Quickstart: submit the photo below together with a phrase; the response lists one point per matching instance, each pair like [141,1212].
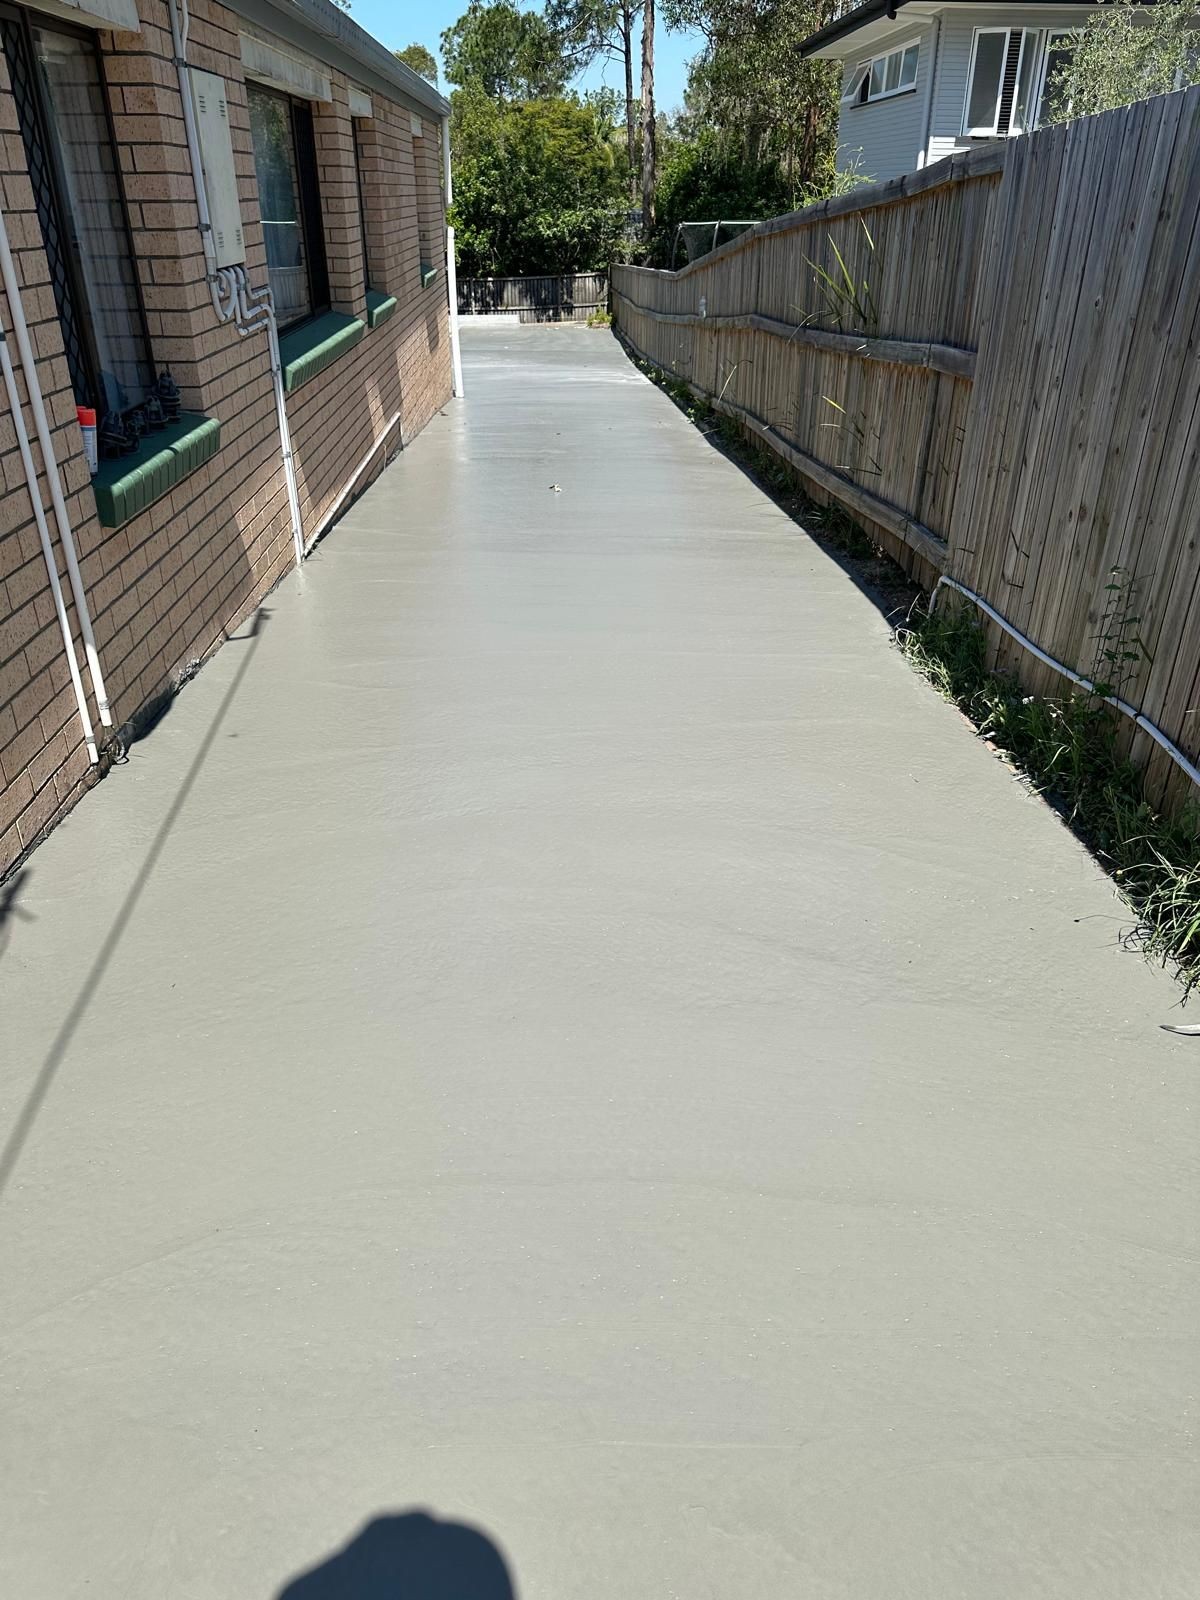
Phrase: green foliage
[420,59]
[705,180]
[537,186]
[708,178]
[1126,52]
[753,90]
[849,305]
[587,30]
[509,54]
[758,134]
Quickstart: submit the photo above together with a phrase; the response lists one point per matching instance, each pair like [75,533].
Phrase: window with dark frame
[62,108]
[362,204]
[285,165]
[427,215]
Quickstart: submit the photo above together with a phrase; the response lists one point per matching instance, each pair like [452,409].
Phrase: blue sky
[399,25]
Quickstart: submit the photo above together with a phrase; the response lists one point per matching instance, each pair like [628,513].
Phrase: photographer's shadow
[409,1556]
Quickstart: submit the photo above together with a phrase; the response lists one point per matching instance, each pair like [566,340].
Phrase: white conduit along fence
[1143,722]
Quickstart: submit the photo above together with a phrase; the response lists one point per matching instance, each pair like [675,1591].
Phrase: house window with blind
[289,200]
[62,109]
[1004,83]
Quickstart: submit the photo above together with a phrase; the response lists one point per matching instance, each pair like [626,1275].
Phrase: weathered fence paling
[569,297]
[993,362]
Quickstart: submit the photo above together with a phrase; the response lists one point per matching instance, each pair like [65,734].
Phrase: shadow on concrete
[28,1114]
[409,1555]
[10,911]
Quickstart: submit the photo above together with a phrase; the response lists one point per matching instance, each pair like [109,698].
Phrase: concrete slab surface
[560,1028]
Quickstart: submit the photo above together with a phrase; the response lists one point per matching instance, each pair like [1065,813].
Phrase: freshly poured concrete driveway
[564,1030]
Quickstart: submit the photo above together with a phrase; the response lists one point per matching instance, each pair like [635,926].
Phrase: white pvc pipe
[1143,722]
[39,516]
[254,320]
[285,432]
[451,267]
[50,461]
[927,118]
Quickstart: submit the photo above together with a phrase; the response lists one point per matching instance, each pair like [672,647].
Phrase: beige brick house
[248,198]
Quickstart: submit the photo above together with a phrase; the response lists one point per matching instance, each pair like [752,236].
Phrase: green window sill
[130,484]
[309,349]
[379,307]
[428,274]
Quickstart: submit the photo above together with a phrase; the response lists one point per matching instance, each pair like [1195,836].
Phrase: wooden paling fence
[571,297]
[1003,383]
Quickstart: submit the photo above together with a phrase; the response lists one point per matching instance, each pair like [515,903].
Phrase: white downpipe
[285,433]
[1143,722]
[50,461]
[451,267]
[253,319]
[233,299]
[351,481]
[935,30]
[39,516]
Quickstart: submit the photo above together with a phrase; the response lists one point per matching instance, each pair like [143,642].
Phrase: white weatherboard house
[924,78]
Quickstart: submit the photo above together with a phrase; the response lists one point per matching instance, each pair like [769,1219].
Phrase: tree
[510,54]
[537,185]
[420,60]
[1124,53]
[705,180]
[601,29]
[649,129]
[755,91]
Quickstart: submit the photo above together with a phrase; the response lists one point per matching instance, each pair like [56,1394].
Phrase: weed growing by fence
[849,306]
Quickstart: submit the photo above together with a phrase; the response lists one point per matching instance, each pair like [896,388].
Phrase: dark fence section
[571,297]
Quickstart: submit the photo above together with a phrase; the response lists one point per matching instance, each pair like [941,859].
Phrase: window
[285,164]
[1010,68]
[63,112]
[1059,49]
[362,203]
[430,214]
[894,73]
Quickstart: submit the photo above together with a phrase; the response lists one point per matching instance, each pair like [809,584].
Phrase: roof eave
[849,23]
[347,47]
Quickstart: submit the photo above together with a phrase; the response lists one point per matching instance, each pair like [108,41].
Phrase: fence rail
[993,363]
[572,297]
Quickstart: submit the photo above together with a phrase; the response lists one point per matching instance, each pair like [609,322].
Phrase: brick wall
[166,587]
